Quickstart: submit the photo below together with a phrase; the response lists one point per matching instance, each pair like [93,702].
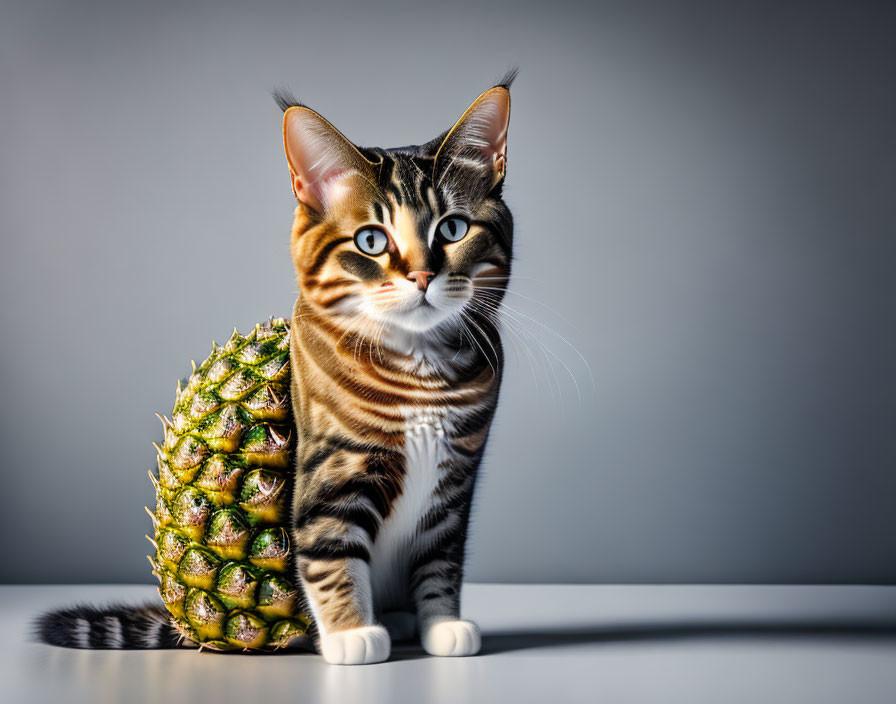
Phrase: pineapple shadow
[507,641]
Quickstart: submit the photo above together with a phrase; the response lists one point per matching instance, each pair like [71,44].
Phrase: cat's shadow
[508,641]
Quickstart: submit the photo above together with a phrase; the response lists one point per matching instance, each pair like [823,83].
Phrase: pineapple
[222,495]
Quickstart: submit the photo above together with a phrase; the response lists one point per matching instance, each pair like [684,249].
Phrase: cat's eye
[453,229]
[371,240]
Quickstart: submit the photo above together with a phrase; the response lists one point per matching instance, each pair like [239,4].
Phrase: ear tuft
[285,98]
[508,78]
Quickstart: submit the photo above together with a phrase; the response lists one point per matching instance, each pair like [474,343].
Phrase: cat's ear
[479,138]
[320,158]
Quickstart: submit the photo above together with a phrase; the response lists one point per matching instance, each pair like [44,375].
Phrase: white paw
[452,638]
[402,625]
[358,646]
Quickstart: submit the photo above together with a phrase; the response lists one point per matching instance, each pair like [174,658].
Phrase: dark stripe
[335,550]
[356,515]
[169,637]
[421,575]
[502,236]
[455,473]
[323,253]
[403,178]
[327,285]
[360,265]
[322,454]
[345,589]
[435,516]
[385,176]
[474,421]
[440,200]
[318,576]
[333,301]
[97,637]
[449,547]
[367,487]
[378,211]
[318,458]
[130,632]
[388,474]
[425,207]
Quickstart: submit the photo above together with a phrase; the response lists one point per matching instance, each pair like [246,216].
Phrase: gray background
[705,208]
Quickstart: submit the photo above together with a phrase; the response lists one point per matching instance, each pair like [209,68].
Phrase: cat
[402,257]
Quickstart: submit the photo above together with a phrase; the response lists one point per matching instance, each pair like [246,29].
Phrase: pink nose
[421,278]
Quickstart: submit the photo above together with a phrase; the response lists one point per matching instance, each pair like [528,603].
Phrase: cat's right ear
[320,158]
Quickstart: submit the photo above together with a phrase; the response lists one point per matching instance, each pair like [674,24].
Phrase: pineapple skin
[223,492]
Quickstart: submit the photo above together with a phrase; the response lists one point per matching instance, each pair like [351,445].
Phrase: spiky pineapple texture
[222,492]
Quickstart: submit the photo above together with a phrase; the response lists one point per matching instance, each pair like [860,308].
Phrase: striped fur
[394,390]
[112,627]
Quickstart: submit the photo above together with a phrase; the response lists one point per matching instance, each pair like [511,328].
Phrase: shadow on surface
[509,641]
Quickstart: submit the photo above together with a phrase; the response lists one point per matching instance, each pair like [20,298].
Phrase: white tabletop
[541,643]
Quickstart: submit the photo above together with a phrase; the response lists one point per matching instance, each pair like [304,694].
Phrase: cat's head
[417,238]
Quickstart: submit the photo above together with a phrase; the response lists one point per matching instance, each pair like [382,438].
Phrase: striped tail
[111,627]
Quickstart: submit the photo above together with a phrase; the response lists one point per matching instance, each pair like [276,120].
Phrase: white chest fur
[424,450]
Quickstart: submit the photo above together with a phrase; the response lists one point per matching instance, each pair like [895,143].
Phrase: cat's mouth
[422,314]
[419,310]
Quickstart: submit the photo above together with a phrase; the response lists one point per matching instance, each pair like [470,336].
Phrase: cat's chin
[444,326]
[421,319]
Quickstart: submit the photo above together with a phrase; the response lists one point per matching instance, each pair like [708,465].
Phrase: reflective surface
[540,643]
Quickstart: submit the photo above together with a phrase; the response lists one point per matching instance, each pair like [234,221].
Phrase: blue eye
[371,240]
[453,229]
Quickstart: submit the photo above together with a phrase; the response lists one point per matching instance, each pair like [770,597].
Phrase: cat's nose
[421,278]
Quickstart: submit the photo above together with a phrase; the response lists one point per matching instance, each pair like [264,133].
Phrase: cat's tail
[110,627]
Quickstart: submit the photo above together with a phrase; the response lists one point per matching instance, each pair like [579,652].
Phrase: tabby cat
[402,257]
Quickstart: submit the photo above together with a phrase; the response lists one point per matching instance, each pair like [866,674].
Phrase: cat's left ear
[479,138]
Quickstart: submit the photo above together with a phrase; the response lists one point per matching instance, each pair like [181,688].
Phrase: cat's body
[402,257]
[398,424]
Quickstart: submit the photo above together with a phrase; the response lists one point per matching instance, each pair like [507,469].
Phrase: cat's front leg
[335,525]
[435,585]
[339,594]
